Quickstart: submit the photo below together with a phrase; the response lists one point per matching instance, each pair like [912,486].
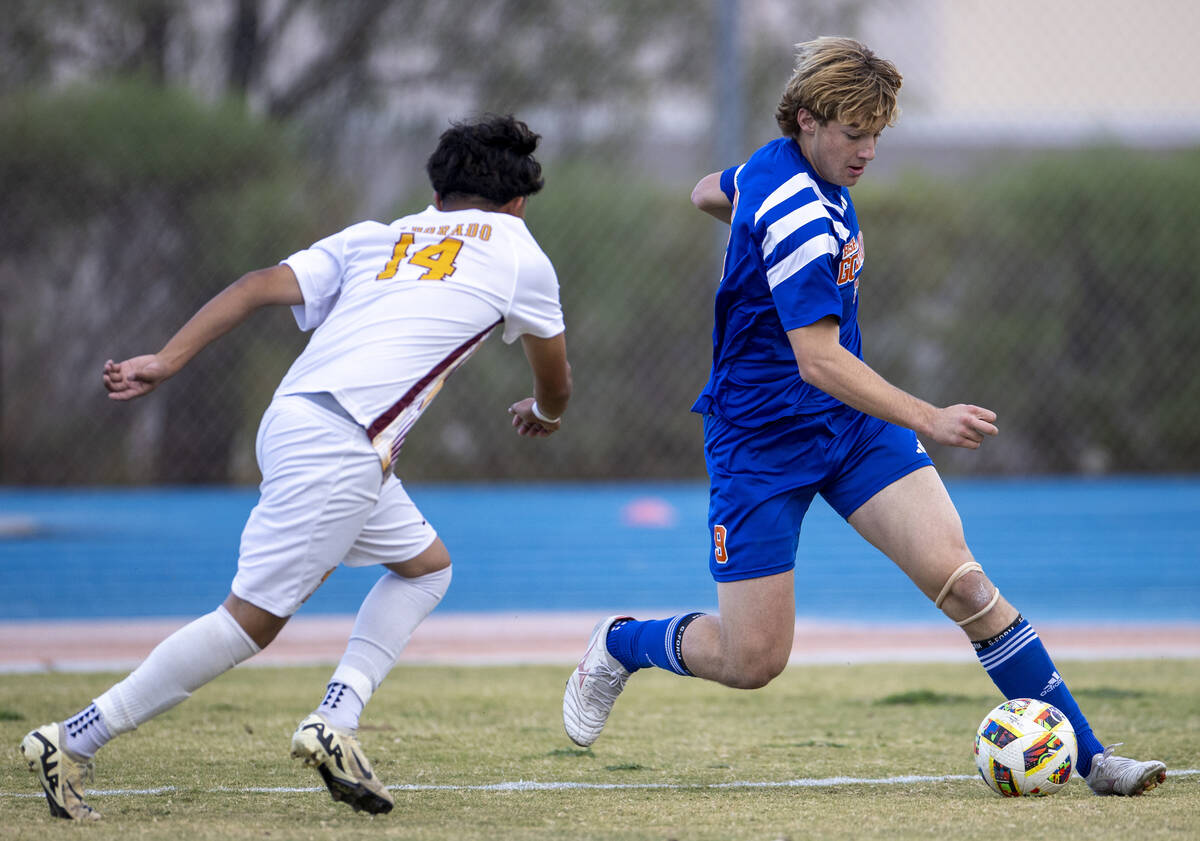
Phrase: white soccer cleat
[1121,776]
[593,687]
[339,759]
[60,773]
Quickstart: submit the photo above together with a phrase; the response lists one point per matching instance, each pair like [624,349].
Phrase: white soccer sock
[86,732]
[180,664]
[389,614]
[342,706]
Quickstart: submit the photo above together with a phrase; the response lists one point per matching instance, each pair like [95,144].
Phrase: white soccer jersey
[399,307]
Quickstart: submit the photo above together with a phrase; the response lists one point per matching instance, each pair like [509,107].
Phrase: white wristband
[537,414]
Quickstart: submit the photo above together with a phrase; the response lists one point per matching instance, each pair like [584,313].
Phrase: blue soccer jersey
[794,256]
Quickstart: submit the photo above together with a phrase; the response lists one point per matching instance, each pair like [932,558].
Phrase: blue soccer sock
[654,642]
[1019,665]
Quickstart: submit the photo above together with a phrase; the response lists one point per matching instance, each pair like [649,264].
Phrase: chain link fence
[1030,222]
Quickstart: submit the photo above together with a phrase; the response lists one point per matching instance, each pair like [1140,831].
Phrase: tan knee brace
[969,566]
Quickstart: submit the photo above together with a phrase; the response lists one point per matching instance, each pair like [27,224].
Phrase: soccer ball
[1025,748]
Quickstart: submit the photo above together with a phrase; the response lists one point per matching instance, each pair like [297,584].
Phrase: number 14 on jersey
[437,259]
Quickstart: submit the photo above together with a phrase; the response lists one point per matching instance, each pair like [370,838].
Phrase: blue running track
[1103,550]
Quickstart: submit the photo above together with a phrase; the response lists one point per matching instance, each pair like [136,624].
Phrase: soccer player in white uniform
[395,309]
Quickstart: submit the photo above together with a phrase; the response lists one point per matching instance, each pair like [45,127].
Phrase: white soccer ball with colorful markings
[1025,748]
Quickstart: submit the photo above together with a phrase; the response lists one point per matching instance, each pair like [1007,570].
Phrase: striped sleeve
[801,241]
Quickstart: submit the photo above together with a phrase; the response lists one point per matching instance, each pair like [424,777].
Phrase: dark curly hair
[491,158]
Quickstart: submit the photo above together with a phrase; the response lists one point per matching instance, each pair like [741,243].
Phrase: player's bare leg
[746,644]
[260,625]
[914,522]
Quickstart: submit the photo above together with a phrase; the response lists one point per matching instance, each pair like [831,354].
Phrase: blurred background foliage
[152,151]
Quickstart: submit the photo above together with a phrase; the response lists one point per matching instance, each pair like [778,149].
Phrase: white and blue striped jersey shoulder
[796,220]
[793,258]
[797,224]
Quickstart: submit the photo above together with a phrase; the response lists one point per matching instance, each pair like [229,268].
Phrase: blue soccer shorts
[762,481]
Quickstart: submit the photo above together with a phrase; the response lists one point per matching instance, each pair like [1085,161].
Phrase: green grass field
[680,759]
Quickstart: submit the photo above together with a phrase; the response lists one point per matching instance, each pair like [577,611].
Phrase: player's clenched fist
[964,426]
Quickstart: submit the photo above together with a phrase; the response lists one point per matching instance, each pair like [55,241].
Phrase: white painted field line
[531,785]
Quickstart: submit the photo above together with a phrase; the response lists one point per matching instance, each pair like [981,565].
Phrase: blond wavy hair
[840,79]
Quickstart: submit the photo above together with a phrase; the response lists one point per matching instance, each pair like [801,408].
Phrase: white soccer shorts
[324,500]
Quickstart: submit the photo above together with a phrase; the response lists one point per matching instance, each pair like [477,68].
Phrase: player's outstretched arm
[824,363]
[708,196]
[140,375]
[541,415]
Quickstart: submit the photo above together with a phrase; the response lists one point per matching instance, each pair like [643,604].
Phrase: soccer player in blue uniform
[792,410]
